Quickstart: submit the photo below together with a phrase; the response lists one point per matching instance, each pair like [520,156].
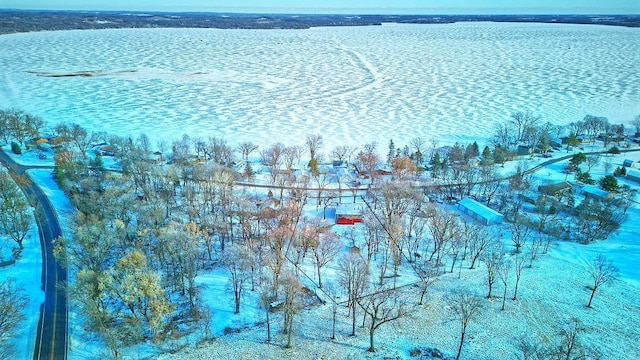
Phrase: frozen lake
[353,84]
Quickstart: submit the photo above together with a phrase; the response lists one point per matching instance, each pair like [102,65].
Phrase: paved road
[51,340]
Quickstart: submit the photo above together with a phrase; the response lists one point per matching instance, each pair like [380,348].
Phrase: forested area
[143,235]
[149,224]
[15,21]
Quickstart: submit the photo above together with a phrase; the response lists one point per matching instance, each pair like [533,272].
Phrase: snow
[550,293]
[29,158]
[26,275]
[353,85]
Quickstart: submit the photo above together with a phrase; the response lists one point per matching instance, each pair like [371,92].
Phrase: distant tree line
[15,21]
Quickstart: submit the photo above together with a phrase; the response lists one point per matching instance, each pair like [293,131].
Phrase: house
[628,163]
[633,174]
[556,189]
[349,214]
[525,150]
[529,196]
[383,172]
[595,192]
[479,212]
[157,157]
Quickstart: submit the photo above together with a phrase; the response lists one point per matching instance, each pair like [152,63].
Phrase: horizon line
[364,11]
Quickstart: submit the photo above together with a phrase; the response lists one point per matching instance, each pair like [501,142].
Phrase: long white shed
[480,212]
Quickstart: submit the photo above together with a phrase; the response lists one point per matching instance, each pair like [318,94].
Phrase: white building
[480,212]
[633,174]
[595,192]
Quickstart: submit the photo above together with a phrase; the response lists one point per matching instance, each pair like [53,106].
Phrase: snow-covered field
[355,84]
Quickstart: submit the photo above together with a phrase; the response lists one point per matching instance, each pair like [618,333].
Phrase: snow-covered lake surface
[357,84]
[352,85]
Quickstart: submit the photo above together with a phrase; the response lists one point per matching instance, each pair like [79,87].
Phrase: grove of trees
[144,234]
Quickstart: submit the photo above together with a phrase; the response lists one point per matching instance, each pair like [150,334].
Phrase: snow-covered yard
[551,293]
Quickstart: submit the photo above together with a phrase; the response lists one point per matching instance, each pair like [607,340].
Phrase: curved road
[51,340]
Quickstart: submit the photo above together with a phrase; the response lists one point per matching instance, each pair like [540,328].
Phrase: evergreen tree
[609,183]
[499,155]
[418,157]
[472,151]
[390,154]
[486,155]
[573,140]
[437,164]
[584,177]
[248,170]
[457,154]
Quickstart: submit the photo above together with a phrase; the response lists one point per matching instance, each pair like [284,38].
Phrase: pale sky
[344,6]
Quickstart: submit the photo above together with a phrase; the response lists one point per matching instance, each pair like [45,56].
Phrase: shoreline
[25,21]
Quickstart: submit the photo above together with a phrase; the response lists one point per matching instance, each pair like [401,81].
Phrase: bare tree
[419,147]
[597,219]
[340,152]
[291,154]
[489,186]
[504,137]
[503,273]
[327,248]
[354,276]
[246,148]
[279,241]
[15,212]
[369,160]
[332,292]
[591,161]
[177,249]
[13,301]
[636,124]
[272,158]
[569,343]
[601,271]
[265,303]
[292,303]
[314,143]
[238,261]
[530,349]
[520,232]
[403,168]
[595,124]
[77,135]
[383,306]
[524,123]
[457,244]
[479,241]
[20,125]
[464,307]
[519,263]
[5,131]
[443,226]
[492,262]
[428,276]
[221,152]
